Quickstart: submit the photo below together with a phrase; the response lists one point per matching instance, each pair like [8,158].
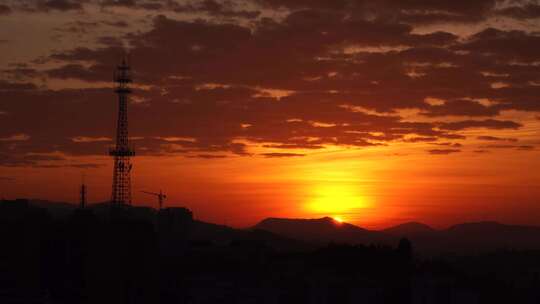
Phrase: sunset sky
[376,112]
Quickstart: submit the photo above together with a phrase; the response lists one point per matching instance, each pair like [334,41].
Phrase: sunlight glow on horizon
[338,219]
[336,198]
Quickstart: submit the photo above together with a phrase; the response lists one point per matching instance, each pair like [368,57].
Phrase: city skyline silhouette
[371,112]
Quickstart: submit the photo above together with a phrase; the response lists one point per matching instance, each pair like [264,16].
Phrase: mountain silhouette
[410,229]
[466,238]
[470,238]
[299,234]
[322,230]
[489,236]
[208,234]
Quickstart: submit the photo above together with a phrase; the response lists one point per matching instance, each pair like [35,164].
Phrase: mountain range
[298,234]
[469,238]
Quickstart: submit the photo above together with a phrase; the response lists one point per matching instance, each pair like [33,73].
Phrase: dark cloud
[135,4]
[460,108]
[62,5]
[448,144]
[128,3]
[86,165]
[443,151]
[516,147]
[16,160]
[304,4]
[5,10]
[487,124]
[493,138]
[421,139]
[497,44]
[208,156]
[277,154]
[300,145]
[414,12]
[528,11]
[417,12]
[78,71]
[116,23]
[328,73]
[525,147]
[43,161]
[214,8]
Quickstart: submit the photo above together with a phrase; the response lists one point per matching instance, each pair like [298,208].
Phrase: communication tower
[122,152]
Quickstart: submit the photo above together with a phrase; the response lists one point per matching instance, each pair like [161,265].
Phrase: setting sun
[338,219]
[336,198]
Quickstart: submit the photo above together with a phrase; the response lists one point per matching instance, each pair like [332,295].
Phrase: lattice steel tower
[121,187]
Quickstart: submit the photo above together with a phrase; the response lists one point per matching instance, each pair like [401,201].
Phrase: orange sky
[374,113]
[370,187]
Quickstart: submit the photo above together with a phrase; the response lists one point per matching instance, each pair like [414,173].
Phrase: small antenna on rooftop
[83,191]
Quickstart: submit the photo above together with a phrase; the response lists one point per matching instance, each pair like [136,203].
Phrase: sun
[336,199]
[338,219]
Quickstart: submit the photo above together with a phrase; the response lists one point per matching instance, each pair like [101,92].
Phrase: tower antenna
[122,152]
[83,191]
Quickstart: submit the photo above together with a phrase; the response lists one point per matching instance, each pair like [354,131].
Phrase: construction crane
[161,197]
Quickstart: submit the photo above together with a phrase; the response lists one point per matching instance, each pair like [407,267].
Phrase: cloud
[417,12]
[45,6]
[516,147]
[208,156]
[323,73]
[460,108]
[443,151]
[281,155]
[33,160]
[86,165]
[493,138]
[5,10]
[527,11]
[16,137]
[503,45]
[16,86]
[486,124]
[135,4]
[300,145]
[448,144]
[214,8]
[421,139]
[43,161]
[85,139]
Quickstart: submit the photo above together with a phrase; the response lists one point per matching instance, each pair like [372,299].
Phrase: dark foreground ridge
[122,254]
[468,238]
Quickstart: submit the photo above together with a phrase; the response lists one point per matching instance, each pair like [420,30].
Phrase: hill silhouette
[122,254]
[200,232]
[299,234]
[467,238]
[485,236]
[410,229]
[322,230]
